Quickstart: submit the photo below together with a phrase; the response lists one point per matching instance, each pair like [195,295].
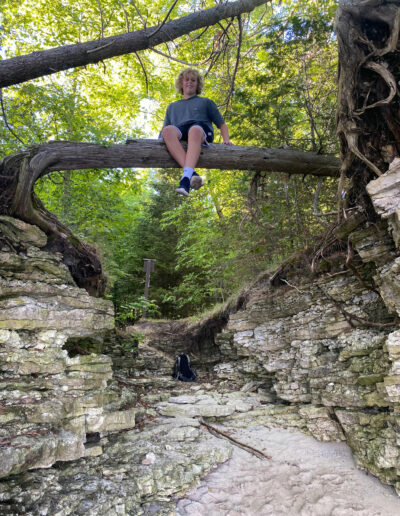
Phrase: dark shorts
[184,130]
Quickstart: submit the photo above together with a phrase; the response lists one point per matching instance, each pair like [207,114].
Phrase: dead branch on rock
[293,286]
[246,447]
[349,317]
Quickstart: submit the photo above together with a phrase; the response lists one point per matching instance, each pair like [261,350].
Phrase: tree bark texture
[20,171]
[368,116]
[46,62]
[64,155]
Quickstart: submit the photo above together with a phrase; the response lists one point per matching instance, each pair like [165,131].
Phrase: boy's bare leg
[171,139]
[186,159]
[195,139]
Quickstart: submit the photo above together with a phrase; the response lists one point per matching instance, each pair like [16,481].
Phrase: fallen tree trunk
[153,154]
[20,171]
[37,64]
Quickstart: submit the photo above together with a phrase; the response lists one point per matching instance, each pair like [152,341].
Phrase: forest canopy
[273,74]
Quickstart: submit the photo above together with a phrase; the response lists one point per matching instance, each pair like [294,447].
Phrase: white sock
[187,172]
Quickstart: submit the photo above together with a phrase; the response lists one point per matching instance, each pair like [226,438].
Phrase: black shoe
[184,187]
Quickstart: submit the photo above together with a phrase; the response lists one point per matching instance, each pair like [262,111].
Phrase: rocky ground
[201,448]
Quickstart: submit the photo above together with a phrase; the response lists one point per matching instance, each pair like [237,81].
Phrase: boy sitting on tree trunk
[190,119]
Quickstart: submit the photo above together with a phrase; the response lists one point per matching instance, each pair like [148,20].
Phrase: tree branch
[153,154]
[144,72]
[125,15]
[46,62]
[232,85]
[181,60]
[138,13]
[101,18]
[20,171]
[165,19]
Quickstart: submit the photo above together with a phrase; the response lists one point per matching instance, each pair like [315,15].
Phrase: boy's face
[189,85]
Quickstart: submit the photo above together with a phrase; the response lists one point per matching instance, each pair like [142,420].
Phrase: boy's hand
[227,142]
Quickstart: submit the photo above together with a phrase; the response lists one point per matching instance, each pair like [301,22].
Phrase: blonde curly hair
[189,71]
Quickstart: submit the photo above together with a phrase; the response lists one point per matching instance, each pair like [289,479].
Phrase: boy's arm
[218,120]
[225,134]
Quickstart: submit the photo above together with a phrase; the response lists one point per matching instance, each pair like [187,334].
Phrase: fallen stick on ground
[245,447]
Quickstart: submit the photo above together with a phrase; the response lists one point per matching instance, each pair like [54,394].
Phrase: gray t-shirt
[193,109]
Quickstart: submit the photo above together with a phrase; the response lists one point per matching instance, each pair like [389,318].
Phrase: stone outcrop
[329,345]
[78,433]
[138,473]
[51,396]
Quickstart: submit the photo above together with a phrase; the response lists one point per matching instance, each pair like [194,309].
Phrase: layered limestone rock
[51,398]
[384,195]
[327,346]
[138,473]
[146,470]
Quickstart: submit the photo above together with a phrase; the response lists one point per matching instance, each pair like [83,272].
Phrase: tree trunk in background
[368,99]
[47,62]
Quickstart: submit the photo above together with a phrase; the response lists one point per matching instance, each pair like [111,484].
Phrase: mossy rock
[370,379]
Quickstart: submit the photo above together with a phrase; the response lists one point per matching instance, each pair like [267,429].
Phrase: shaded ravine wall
[330,344]
[52,401]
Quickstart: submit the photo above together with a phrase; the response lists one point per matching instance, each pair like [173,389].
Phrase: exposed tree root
[369,103]
[18,173]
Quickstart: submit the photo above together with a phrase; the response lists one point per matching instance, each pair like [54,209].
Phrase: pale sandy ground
[305,477]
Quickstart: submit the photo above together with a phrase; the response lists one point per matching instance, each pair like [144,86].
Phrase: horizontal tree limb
[154,154]
[20,171]
[38,64]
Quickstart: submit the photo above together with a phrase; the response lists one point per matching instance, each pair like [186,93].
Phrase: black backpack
[182,369]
